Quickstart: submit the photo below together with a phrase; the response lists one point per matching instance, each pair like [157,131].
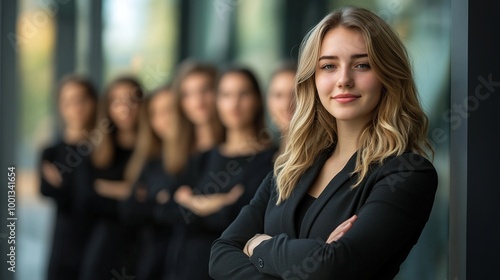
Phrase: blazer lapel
[290,205]
[338,181]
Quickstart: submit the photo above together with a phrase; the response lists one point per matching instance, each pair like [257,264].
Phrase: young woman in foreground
[352,192]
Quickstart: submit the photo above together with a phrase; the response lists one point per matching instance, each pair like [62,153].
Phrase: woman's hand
[51,174]
[341,229]
[254,242]
[205,205]
[162,197]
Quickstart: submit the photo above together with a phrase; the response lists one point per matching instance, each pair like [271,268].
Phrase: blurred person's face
[198,98]
[280,99]
[124,106]
[161,114]
[237,102]
[347,85]
[76,106]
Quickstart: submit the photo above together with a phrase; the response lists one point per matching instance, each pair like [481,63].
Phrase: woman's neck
[205,138]
[73,135]
[126,138]
[347,137]
[240,141]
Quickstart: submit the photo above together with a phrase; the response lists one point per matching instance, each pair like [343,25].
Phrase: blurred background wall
[103,38]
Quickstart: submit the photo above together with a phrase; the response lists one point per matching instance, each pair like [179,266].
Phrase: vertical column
[8,126]
[95,48]
[475,149]
[483,146]
[185,27]
[299,18]
[65,51]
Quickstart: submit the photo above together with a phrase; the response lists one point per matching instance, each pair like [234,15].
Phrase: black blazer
[393,204]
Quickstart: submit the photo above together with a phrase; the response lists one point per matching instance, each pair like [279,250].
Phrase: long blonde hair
[399,123]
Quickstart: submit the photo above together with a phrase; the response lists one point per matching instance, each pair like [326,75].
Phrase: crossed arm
[384,231]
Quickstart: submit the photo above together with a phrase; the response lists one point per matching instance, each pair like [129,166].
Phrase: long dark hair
[259,121]
[103,152]
[89,90]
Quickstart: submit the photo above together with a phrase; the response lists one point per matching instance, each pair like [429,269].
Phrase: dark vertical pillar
[299,18]
[95,50]
[185,12]
[475,149]
[65,51]
[8,123]
[483,149]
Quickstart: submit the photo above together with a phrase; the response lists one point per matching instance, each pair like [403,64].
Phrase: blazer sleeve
[227,260]
[89,201]
[171,212]
[388,225]
[136,212]
[60,194]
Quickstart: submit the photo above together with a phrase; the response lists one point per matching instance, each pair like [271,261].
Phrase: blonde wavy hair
[399,123]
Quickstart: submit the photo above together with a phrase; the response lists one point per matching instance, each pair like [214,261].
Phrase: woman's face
[124,106]
[347,86]
[237,102]
[76,106]
[198,98]
[280,99]
[161,114]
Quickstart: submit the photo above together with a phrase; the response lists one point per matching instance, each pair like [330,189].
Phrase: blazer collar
[288,220]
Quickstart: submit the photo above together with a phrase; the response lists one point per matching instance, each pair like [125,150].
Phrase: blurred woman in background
[197,129]
[280,98]
[222,180]
[149,169]
[112,245]
[77,102]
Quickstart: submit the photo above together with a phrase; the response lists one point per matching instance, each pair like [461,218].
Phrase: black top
[72,226]
[302,208]
[393,204]
[152,179]
[59,155]
[112,244]
[98,205]
[208,173]
[138,210]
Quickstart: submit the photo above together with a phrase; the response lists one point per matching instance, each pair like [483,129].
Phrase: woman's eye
[363,66]
[327,67]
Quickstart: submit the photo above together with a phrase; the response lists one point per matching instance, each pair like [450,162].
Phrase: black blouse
[112,243]
[208,173]
[72,226]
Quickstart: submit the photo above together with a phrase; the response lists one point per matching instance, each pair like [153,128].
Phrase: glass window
[36,34]
[140,37]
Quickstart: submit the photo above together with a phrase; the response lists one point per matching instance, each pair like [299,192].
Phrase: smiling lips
[345,98]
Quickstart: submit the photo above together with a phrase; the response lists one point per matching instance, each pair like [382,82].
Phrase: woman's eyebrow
[334,57]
